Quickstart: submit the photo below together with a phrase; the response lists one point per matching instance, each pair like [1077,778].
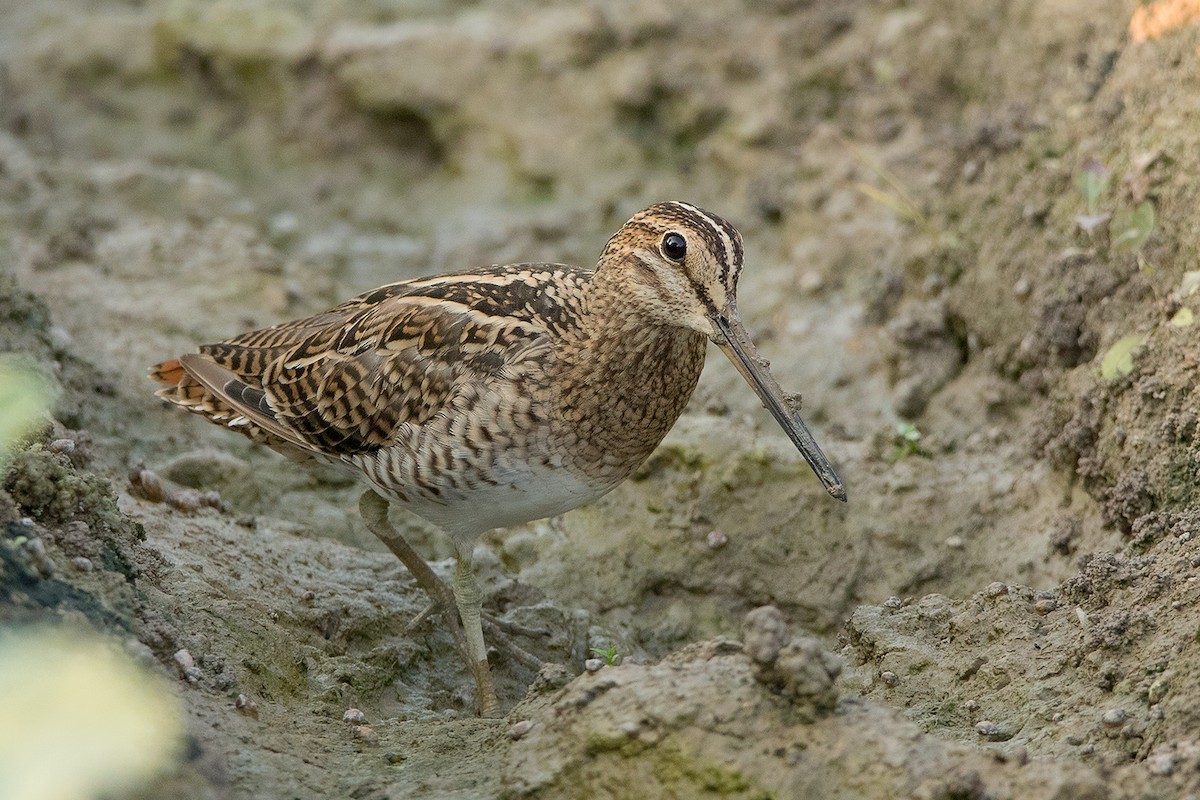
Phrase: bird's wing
[345,381]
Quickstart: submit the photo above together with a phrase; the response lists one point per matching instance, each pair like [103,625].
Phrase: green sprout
[1131,227]
[1092,182]
[908,442]
[610,655]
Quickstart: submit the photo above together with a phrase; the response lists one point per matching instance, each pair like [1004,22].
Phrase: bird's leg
[470,599]
[374,510]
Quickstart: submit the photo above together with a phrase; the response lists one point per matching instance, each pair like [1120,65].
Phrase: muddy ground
[923,186]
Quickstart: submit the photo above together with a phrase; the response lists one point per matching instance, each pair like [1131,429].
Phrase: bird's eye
[674,246]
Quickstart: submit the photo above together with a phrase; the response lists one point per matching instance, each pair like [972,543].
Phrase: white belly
[513,495]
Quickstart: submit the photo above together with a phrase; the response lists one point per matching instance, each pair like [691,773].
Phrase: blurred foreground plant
[24,398]
[79,718]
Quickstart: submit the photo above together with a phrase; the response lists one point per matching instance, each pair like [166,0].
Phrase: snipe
[499,396]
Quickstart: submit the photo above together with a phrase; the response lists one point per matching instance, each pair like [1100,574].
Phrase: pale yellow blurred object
[25,396]
[78,718]
[1152,21]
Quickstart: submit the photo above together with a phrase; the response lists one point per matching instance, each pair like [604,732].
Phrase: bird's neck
[624,379]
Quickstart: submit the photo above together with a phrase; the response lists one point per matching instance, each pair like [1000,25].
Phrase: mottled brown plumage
[500,396]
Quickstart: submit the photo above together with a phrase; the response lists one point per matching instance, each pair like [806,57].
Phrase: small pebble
[1157,691]
[62,446]
[25,522]
[811,282]
[60,339]
[893,602]
[1022,287]
[1114,717]
[716,540]
[630,728]
[186,666]
[365,734]
[1045,605]
[996,589]
[1156,711]
[764,633]
[593,664]
[986,727]
[889,678]
[185,500]
[519,729]
[246,706]
[354,716]
[1082,616]
[1058,716]
[972,705]
[284,225]
[393,758]
[82,564]
[955,542]
[35,548]
[150,486]
[308,597]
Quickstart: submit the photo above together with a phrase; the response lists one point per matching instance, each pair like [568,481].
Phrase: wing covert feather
[346,381]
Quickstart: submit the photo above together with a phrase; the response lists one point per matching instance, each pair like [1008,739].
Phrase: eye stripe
[726,235]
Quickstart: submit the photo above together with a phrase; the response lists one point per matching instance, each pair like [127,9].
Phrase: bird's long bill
[736,344]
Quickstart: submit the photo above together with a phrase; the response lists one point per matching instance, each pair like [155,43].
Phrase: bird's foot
[514,628]
[500,633]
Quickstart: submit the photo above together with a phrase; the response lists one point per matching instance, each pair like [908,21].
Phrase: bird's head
[679,265]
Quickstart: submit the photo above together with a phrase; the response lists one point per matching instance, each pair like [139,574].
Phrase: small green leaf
[1131,227]
[1092,181]
[1118,360]
[1183,318]
[908,442]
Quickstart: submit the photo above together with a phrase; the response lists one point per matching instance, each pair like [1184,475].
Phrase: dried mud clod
[147,484]
[799,668]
